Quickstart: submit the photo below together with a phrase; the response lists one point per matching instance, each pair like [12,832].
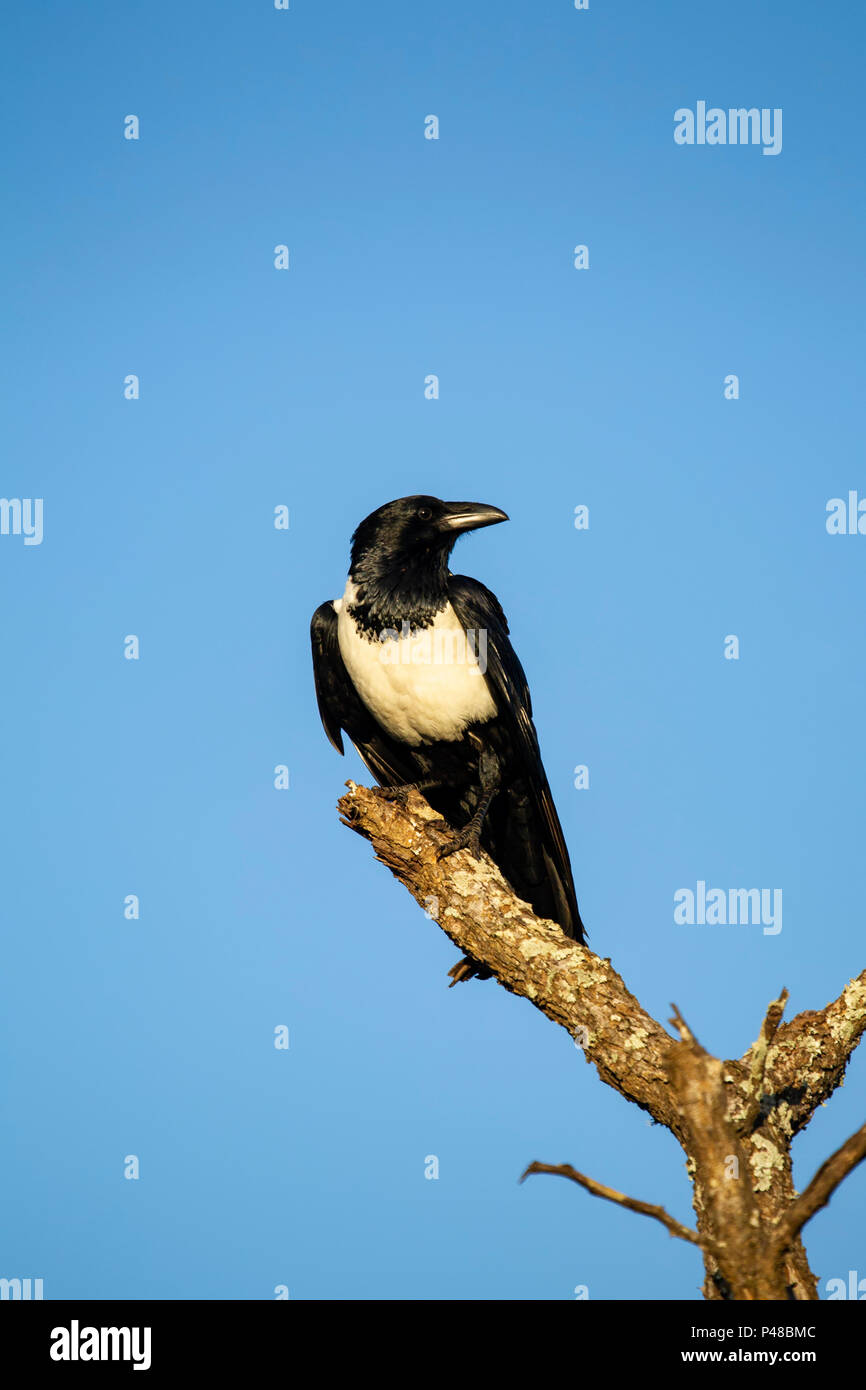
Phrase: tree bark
[735,1118]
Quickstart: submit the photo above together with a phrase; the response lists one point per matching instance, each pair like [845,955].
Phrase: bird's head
[402,549]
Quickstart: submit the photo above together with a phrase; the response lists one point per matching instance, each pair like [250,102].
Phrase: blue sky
[558,387]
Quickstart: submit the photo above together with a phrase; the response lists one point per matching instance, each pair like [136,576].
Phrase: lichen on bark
[735,1118]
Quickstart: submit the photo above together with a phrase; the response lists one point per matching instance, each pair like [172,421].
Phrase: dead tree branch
[758,1064]
[598,1189]
[735,1119]
[828,1177]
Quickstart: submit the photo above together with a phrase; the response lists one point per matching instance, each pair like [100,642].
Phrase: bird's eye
[424,513]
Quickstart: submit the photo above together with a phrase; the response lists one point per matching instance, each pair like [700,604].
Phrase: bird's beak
[469,516]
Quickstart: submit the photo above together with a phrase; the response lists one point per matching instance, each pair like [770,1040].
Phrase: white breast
[420,686]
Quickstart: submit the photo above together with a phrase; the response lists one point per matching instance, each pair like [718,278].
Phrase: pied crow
[415,664]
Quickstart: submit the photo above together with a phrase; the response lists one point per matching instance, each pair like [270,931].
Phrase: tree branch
[734,1119]
[598,1189]
[757,1067]
[808,1057]
[477,909]
[821,1188]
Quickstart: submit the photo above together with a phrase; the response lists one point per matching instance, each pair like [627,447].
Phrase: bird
[416,666]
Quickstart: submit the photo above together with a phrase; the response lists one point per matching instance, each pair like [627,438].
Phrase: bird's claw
[400,793]
[468,969]
[464,840]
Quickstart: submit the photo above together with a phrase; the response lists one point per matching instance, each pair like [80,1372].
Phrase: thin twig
[678,1022]
[598,1189]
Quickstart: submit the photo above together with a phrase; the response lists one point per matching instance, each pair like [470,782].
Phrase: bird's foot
[468,969]
[467,838]
[470,836]
[401,792]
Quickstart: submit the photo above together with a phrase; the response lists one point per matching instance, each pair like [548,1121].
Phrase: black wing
[527,839]
[340,707]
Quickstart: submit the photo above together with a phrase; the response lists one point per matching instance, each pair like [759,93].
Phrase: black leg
[470,836]
[400,793]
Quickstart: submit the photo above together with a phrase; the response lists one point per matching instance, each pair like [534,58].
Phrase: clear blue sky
[305,387]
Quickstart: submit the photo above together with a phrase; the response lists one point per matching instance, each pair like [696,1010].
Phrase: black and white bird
[415,664]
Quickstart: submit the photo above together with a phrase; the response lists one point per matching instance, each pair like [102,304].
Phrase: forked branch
[734,1119]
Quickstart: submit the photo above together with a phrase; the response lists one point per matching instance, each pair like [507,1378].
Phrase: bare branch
[821,1188]
[598,1189]
[678,1022]
[807,1058]
[748,1214]
[758,1051]
[477,909]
